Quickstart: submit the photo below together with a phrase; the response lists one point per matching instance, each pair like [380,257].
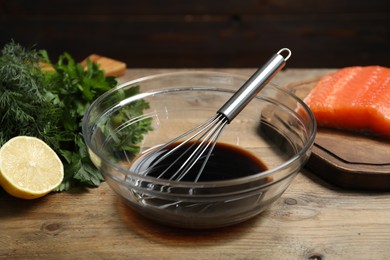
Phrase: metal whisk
[203,138]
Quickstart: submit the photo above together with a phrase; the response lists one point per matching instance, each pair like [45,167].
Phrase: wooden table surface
[312,220]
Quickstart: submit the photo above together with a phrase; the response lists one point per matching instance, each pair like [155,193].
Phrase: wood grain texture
[312,220]
[155,34]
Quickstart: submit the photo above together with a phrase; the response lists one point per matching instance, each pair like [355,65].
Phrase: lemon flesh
[29,168]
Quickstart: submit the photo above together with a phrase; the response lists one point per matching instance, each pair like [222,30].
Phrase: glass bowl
[276,127]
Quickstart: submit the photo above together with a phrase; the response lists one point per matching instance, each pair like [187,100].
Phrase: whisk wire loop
[199,133]
[214,141]
[209,138]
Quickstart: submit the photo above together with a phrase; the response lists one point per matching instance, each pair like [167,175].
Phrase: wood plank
[209,41]
[204,33]
[312,220]
[174,7]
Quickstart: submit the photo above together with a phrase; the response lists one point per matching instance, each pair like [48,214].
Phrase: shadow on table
[180,236]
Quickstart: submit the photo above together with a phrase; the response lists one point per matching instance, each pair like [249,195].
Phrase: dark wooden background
[204,33]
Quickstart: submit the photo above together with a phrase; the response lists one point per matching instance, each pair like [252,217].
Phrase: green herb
[73,88]
[50,105]
[128,138]
[24,106]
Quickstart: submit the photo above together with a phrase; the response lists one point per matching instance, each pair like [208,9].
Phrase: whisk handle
[254,84]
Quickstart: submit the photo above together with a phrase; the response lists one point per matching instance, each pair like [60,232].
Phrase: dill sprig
[24,107]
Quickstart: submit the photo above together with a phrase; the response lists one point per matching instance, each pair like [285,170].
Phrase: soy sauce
[226,162]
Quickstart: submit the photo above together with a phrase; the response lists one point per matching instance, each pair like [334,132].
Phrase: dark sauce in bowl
[226,162]
[201,206]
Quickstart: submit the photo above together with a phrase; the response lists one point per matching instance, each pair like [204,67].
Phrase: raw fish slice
[380,107]
[353,98]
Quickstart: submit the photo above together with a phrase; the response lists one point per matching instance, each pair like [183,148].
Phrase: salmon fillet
[353,98]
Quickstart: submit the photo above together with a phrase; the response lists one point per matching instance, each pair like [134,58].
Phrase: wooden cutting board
[346,159]
[111,67]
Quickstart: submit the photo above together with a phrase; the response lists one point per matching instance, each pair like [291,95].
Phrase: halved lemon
[29,168]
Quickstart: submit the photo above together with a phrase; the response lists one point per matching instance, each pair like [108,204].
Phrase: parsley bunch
[50,105]
[72,88]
